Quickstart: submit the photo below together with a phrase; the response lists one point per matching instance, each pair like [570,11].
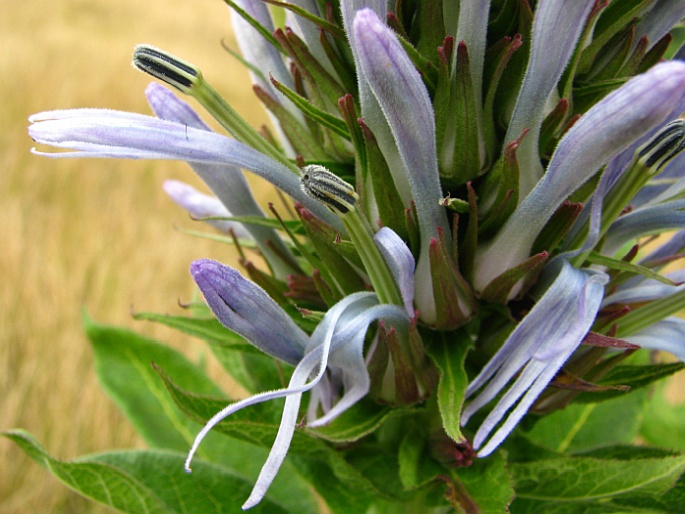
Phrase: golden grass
[93,234]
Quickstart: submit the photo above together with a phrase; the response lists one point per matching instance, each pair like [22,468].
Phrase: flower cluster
[484,174]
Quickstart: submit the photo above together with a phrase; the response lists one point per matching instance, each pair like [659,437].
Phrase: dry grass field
[87,234]
[98,235]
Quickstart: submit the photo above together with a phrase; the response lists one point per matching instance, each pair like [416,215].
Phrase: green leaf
[487,483]
[149,482]
[341,485]
[252,369]
[449,357]
[415,467]
[207,329]
[587,480]
[583,426]
[664,423]
[122,363]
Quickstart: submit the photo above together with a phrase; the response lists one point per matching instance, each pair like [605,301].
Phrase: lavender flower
[469,207]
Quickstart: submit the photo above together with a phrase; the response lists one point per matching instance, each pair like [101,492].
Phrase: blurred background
[93,235]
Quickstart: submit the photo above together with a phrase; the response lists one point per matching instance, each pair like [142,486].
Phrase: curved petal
[667,335]
[401,262]
[646,220]
[200,205]
[536,349]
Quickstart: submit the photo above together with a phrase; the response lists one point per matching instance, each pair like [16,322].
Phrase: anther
[165,67]
[322,185]
[664,146]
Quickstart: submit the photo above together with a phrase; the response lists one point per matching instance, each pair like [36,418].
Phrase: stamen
[165,67]
[664,146]
[322,185]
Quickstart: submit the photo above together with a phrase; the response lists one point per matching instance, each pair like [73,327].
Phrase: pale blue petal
[646,290]
[227,182]
[200,205]
[557,27]
[608,128]
[104,133]
[245,308]
[401,263]
[372,113]
[667,335]
[536,349]
[659,20]
[652,219]
[347,355]
[401,94]
[314,362]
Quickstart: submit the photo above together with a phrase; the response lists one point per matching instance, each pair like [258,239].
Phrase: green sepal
[557,227]
[506,173]
[323,24]
[406,390]
[455,302]
[503,21]
[207,329]
[514,68]
[387,198]
[427,28]
[655,54]
[610,66]
[613,19]
[496,60]
[302,141]
[340,57]
[255,25]
[551,129]
[449,356]
[632,64]
[428,72]
[335,268]
[319,116]
[466,163]
[498,290]
[469,246]
[323,87]
[362,177]
[444,112]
